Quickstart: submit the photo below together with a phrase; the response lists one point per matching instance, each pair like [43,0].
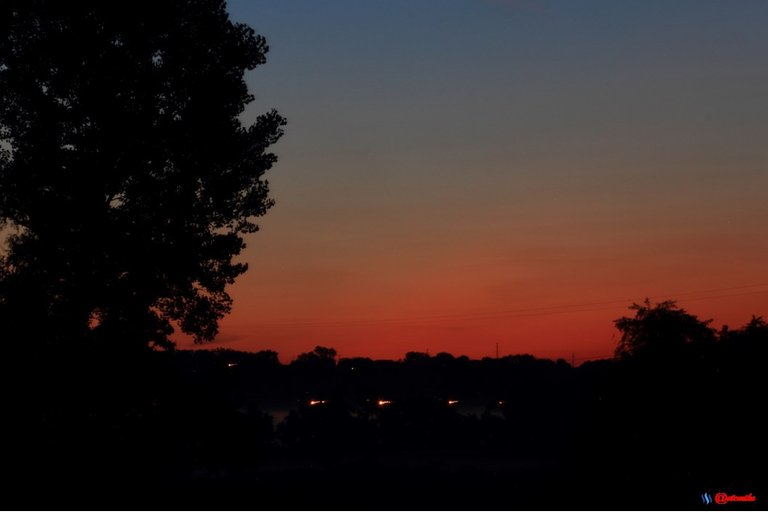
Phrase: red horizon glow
[579,331]
[436,188]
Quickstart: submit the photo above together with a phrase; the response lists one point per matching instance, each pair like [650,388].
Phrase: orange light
[315,402]
[451,402]
[384,402]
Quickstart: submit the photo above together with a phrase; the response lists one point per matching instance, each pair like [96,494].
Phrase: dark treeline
[677,412]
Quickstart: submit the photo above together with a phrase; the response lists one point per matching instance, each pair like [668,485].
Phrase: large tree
[127,180]
[660,330]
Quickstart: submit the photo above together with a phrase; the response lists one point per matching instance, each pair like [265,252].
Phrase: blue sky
[460,157]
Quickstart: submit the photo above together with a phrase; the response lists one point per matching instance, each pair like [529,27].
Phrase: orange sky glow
[508,175]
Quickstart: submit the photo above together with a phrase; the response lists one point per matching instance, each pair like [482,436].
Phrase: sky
[458,174]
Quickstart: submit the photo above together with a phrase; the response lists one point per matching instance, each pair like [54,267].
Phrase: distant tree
[756,328]
[356,363]
[126,176]
[751,339]
[267,358]
[325,353]
[415,357]
[321,355]
[315,369]
[660,329]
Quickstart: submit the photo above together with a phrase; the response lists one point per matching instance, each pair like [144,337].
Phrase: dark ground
[189,431]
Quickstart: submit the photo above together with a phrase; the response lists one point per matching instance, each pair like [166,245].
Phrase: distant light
[315,402]
[451,402]
[383,402]
[501,403]
[230,365]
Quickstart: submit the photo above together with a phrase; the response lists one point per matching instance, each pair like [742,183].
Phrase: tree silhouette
[126,177]
[319,358]
[319,354]
[661,329]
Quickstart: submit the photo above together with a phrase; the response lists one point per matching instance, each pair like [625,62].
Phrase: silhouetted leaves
[125,171]
[660,331]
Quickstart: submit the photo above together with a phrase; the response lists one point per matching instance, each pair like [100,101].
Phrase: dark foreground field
[193,430]
[423,480]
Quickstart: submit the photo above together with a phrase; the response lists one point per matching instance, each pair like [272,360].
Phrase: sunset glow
[467,173]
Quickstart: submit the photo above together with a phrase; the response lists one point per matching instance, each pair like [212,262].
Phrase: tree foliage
[126,177]
[660,329]
[320,355]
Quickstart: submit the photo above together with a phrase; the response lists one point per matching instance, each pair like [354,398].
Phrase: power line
[526,312]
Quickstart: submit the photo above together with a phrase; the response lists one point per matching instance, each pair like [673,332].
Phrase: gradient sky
[461,173]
